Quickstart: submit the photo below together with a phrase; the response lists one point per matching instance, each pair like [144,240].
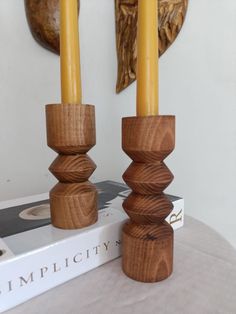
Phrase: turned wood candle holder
[71,133]
[147,239]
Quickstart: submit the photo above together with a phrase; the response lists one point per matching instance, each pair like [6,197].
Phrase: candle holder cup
[147,239]
[71,133]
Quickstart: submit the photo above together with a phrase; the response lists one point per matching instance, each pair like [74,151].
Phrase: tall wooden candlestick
[147,139]
[71,133]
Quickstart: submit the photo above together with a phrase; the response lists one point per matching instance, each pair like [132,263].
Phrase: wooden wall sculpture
[171,17]
[44,23]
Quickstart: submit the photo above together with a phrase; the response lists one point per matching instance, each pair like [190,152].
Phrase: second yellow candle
[147,63]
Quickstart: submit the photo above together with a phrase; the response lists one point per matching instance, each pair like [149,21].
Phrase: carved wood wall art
[43,19]
[171,17]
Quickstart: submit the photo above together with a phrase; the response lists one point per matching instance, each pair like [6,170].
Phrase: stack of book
[35,256]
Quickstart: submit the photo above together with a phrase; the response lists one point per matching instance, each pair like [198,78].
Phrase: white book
[35,256]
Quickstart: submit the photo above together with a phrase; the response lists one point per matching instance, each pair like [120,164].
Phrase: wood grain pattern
[147,239]
[71,133]
[72,168]
[171,18]
[147,251]
[44,22]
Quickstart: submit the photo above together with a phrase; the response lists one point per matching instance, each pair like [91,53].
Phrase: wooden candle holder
[147,239]
[71,133]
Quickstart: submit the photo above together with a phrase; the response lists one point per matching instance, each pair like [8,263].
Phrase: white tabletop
[203,282]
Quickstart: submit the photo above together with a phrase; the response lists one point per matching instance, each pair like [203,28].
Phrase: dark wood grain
[147,251]
[147,239]
[43,18]
[147,209]
[71,133]
[171,18]
[72,168]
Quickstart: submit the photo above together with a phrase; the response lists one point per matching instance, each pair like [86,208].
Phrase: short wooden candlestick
[147,239]
[71,133]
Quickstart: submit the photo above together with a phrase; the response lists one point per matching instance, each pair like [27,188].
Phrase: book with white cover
[35,256]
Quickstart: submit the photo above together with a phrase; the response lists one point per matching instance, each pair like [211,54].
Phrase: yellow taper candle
[71,92]
[147,62]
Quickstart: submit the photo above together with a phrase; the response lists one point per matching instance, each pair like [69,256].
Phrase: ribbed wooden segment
[147,209]
[148,178]
[71,133]
[147,238]
[72,168]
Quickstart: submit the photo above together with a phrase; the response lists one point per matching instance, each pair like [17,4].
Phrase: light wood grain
[71,133]
[73,205]
[147,239]
[70,128]
[171,18]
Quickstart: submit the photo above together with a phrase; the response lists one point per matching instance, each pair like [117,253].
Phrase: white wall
[197,84]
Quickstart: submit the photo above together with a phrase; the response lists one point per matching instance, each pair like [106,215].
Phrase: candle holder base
[147,239]
[147,251]
[71,133]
